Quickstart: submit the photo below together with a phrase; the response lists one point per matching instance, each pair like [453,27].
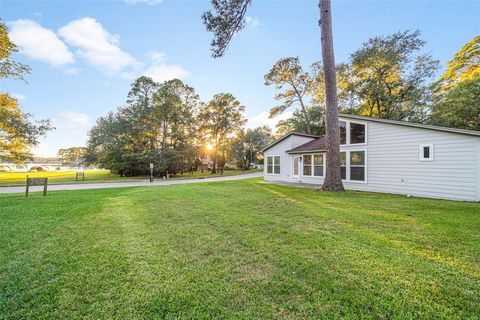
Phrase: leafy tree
[18,134]
[288,75]
[229,18]
[296,122]
[158,125]
[221,119]
[247,145]
[459,107]
[8,67]
[387,80]
[465,65]
[456,94]
[74,156]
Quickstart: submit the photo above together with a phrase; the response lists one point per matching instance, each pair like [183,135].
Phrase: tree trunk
[304,110]
[333,180]
[307,118]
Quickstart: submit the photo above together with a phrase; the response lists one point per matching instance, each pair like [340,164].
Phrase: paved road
[106,185]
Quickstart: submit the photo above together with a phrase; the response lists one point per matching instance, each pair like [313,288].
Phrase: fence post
[27,184]
[45,187]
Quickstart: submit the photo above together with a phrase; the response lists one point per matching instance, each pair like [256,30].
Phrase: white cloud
[40,43]
[262,119]
[18,96]
[160,71]
[149,2]
[72,120]
[97,46]
[251,22]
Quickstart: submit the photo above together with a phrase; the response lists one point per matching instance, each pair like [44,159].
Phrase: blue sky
[85,54]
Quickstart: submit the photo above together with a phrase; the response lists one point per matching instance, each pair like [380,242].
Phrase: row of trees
[166,124]
[385,78]
[18,133]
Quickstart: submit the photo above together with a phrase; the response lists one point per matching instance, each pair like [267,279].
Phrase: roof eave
[288,135]
[306,151]
[412,124]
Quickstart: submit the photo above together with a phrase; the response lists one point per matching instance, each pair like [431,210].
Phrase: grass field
[237,249]
[60,177]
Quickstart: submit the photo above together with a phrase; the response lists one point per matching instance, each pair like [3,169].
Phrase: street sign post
[151,172]
[36,182]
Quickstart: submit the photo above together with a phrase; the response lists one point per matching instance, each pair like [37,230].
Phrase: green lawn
[62,177]
[237,249]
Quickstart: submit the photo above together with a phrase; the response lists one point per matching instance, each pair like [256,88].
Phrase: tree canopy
[456,94]
[165,124]
[8,67]
[465,65]
[386,79]
[221,119]
[245,147]
[18,133]
[227,18]
[295,85]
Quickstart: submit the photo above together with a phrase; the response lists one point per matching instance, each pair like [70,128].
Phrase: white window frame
[347,132]
[312,165]
[273,165]
[420,152]
[347,155]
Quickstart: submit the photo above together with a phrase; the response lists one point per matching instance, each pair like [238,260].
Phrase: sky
[85,54]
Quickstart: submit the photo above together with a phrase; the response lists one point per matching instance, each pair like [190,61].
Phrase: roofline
[307,151]
[412,124]
[288,135]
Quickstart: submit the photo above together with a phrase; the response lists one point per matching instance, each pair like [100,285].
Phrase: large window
[343,165]
[352,133]
[353,165]
[343,132]
[313,164]
[318,165]
[357,133]
[273,164]
[307,165]
[357,165]
[276,164]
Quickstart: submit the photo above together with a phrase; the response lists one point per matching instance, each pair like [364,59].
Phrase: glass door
[296,167]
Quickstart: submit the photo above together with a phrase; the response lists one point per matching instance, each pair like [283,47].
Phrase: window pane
[277,169]
[343,158]
[357,158]
[357,133]
[269,160]
[318,159]
[307,159]
[343,173]
[343,132]
[318,171]
[357,173]
[307,170]
[277,160]
[269,169]
[426,152]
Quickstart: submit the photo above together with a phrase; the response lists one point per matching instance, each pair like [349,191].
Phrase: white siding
[393,164]
[280,150]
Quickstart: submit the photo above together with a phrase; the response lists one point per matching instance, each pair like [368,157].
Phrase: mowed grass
[237,249]
[62,177]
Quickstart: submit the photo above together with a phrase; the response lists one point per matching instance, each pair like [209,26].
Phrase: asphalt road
[125,184]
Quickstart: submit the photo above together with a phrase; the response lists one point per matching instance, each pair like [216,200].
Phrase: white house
[385,156]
